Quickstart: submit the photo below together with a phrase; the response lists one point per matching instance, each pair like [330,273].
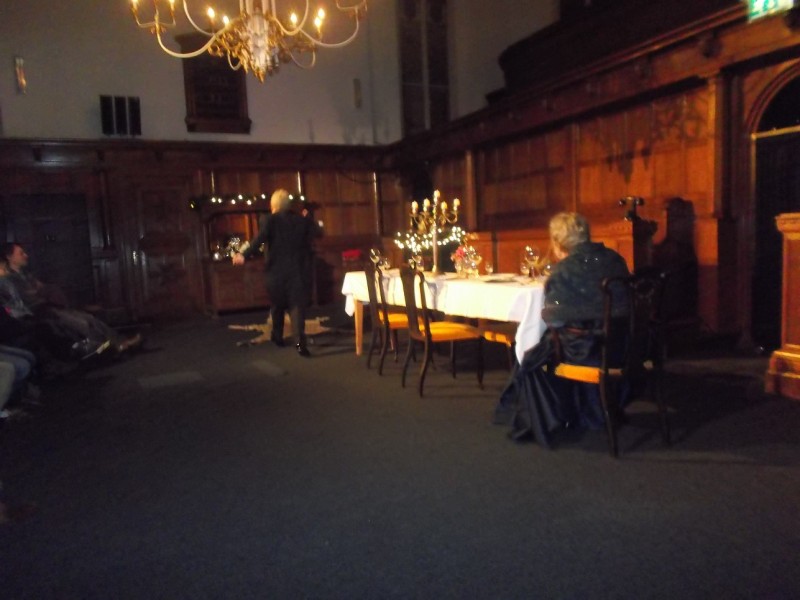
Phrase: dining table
[497,297]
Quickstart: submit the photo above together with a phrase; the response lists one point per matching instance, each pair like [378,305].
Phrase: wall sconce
[19,72]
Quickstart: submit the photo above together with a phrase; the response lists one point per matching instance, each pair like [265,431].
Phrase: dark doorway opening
[54,230]
[777,192]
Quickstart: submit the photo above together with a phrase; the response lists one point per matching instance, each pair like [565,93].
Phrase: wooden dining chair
[423,329]
[632,350]
[499,332]
[385,322]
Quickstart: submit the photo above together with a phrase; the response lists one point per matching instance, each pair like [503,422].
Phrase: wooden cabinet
[230,287]
[783,376]
[235,288]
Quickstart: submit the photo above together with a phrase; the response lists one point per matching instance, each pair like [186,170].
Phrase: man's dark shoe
[278,340]
[303,351]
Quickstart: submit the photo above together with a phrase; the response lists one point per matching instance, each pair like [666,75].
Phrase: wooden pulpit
[783,375]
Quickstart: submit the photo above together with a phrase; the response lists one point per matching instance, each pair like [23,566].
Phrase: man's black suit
[288,239]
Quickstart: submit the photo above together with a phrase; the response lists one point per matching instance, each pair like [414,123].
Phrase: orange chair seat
[446,331]
[396,320]
[501,333]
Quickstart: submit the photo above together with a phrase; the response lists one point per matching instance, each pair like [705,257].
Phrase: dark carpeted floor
[199,469]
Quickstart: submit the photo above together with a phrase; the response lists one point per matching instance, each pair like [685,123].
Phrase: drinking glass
[489,267]
[531,257]
[524,269]
[375,256]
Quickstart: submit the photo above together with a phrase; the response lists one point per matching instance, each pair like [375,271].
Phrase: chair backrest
[379,311]
[633,341]
[414,287]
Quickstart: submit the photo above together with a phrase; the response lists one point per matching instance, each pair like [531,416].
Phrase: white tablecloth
[484,298]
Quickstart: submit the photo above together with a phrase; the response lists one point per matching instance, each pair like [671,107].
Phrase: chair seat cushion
[501,337]
[397,321]
[583,373]
[446,331]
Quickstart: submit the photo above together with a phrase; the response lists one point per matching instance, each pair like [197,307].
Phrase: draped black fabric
[536,403]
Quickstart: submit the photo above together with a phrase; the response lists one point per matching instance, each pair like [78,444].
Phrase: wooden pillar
[783,375]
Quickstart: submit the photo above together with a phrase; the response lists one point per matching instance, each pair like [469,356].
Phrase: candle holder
[433,216]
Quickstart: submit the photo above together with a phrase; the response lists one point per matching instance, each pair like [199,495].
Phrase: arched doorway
[777,191]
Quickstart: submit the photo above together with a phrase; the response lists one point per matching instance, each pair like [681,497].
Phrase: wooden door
[163,244]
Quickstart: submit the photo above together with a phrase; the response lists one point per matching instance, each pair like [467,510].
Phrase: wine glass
[419,261]
[524,269]
[375,256]
[489,267]
[385,263]
[531,256]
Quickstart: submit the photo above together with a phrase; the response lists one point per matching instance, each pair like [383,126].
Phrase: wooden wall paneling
[393,204]
[320,187]
[356,195]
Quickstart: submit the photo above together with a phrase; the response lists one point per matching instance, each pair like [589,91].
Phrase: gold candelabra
[433,216]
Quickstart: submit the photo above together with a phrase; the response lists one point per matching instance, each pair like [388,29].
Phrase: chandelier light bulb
[293,19]
[211,14]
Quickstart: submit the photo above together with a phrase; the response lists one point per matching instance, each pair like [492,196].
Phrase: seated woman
[535,402]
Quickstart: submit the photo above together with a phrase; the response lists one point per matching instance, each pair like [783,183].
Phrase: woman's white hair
[568,229]
[279,201]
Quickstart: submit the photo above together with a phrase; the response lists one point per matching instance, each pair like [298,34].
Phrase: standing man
[288,237]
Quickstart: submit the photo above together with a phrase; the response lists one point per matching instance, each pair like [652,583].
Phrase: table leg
[358,321]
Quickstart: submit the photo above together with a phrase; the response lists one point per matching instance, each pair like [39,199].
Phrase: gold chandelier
[256,40]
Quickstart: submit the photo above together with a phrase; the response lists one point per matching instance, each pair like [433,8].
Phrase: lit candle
[456,204]
[426,205]
[444,206]
[436,195]
[414,207]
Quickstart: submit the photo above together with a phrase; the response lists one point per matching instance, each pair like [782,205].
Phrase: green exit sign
[762,8]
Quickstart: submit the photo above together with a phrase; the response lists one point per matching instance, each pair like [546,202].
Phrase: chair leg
[375,333]
[426,360]
[453,359]
[609,417]
[480,363]
[384,348]
[396,344]
[409,354]
[657,393]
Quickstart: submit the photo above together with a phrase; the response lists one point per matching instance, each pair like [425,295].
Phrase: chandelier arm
[321,44]
[189,17]
[301,65]
[354,8]
[238,64]
[174,54]
[156,23]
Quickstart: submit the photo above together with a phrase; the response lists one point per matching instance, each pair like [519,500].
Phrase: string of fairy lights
[418,242]
[236,200]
